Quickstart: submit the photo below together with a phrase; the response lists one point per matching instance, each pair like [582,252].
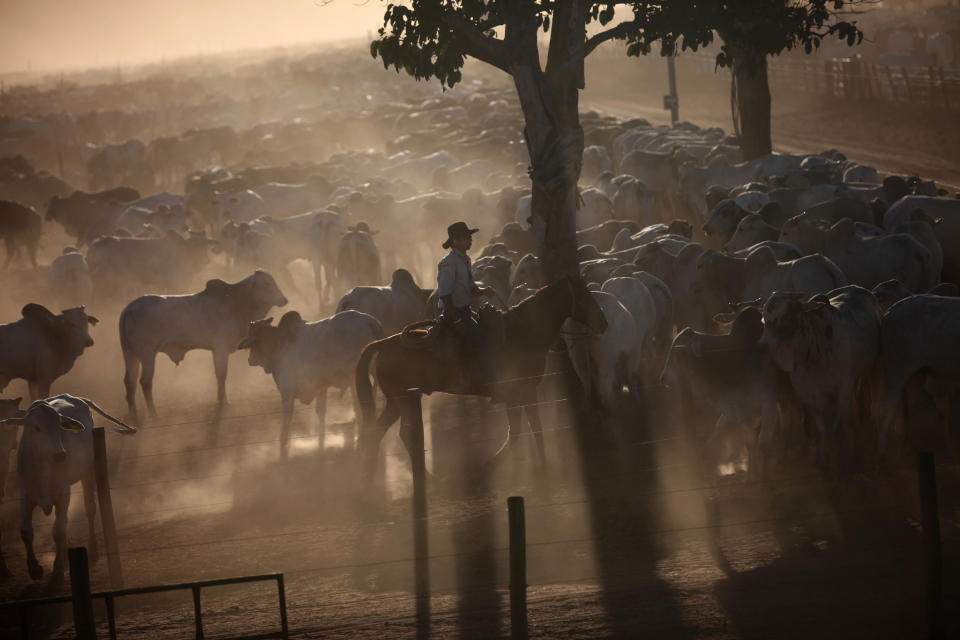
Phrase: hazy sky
[49,34]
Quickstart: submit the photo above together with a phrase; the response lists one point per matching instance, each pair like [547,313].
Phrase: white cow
[305,358]
[214,319]
[394,306]
[611,360]
[69,279]
[55,452]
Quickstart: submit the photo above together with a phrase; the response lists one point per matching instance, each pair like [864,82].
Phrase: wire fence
[306,537]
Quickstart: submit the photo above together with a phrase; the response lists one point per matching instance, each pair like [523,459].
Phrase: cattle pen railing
[109,598]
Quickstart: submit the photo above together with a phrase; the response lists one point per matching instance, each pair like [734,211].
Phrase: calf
[305,358]
[214,319]
[55,452]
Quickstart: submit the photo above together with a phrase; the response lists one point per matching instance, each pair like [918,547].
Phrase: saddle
[449,347]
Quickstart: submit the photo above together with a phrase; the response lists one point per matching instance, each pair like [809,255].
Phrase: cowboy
[456,287]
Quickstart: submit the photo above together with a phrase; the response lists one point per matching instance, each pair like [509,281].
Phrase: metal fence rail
[109,597]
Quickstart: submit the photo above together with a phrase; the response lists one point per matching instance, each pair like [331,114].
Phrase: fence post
[83,621]
[932,553]
[282,596]
[197,612]
[412,416]
[518,569]
[106,507]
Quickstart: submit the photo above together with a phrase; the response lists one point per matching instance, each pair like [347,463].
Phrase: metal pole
[932,552]
[83,621]
[518,569]
[671,101]
[197,612]
[413,416]
[282,593]
[106,507]
[112,616]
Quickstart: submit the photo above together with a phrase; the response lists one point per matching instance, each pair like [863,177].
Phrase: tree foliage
[433,38]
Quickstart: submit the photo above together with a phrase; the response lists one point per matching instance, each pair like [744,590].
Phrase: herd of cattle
[797,297]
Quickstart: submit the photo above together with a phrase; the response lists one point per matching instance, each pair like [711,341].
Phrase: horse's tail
[362,385]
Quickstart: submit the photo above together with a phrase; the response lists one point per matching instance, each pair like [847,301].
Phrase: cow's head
[263,293]
[723,221]
[266,342]
[42,457]
[783,314]
[70,329]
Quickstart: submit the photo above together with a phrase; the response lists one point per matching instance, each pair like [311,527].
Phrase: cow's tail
[362,384]
[125,428]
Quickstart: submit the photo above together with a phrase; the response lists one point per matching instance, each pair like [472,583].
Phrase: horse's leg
[371,436]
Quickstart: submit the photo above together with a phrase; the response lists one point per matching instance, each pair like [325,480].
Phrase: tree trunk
[751,103]
[555,143]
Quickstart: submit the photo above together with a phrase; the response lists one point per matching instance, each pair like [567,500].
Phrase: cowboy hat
[457,230]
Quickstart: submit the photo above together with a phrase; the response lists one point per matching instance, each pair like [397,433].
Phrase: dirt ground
[624,537]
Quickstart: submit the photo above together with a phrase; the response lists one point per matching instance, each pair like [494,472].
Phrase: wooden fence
[852,80]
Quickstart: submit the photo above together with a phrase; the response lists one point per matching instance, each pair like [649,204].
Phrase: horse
[529,329]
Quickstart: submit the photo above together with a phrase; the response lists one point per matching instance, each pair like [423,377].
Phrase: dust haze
[59,34]
[626,528]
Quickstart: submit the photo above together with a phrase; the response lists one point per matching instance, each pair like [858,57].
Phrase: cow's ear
[246,343]
[38,313]
[724,318]
[289,321]
[93,320]
[69,424]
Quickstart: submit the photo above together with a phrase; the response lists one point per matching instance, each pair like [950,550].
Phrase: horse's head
[583,307]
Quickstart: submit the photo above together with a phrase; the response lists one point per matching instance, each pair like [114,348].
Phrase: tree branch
[620,31]
[493,51]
